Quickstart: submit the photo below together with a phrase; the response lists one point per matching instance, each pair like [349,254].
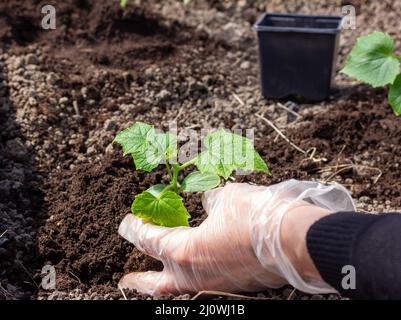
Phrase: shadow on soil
[20,203]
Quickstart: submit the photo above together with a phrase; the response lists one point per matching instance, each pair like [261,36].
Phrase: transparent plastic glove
[237,248]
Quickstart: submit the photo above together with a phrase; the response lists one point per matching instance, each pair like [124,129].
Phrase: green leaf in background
[226,152]
[372,60]
[123,3]
[146,146]
[199,182]
[394,95]
[166,209]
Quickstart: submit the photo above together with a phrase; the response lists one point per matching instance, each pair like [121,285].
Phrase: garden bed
[64,188]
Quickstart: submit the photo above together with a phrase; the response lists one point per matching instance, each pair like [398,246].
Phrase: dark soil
[86,208]
[352,133]
[64,189]
[21,203]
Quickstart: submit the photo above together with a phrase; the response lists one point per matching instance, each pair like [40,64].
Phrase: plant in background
[373,61]
[123,3]
[161,204]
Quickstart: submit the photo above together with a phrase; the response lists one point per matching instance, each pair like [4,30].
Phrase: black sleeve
[369,243]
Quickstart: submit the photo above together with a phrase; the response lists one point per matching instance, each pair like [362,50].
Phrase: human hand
[237,248]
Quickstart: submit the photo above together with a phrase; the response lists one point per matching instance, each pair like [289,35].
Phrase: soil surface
[65,93]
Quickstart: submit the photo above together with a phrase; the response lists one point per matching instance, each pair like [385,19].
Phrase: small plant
[123,3]
[161,204]
[373,61]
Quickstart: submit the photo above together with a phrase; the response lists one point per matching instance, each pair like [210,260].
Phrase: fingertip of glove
[209,197]
[142,282]
[128,226]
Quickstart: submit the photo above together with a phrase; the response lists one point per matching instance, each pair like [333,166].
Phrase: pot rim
[260,27]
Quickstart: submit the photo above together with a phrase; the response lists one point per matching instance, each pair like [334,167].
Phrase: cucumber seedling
[161,204]
[373,61]
[123,3]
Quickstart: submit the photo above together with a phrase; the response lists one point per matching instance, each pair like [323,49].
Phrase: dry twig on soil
[310,153]
[242,103]
[179,113]
[204,294]
[123,293]
[280,105]
[75,276]
[6,293]
[292,294]
[338,168]
[76,108]
[28,273]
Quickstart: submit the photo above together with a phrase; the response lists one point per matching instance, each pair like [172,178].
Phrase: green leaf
[394,95]
[258,164]
[146,146]
[135,138]
[167,143]
[372,60]
[123,3]
[166,209]
[226,152]
[157,189]
[199,182]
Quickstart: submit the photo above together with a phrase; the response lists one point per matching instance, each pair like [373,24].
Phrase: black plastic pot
[297,54]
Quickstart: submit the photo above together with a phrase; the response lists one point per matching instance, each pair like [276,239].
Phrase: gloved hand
[237,248]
